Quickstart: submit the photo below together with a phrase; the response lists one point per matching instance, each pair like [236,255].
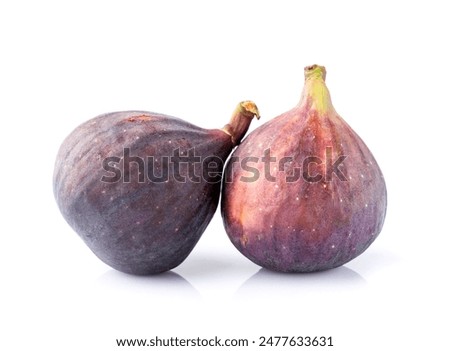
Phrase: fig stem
[315,90]
[240,121]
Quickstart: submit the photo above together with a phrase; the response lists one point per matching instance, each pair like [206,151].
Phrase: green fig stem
[240,121]
[315,89]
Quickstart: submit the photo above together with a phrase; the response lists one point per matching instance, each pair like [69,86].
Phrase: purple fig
[303,192]
[140,187]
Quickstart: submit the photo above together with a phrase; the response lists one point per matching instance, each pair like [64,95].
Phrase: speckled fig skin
[308,224]
[142,227]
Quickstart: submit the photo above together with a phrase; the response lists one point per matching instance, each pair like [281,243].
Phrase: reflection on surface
[267,283]
[168,284]
[204,265]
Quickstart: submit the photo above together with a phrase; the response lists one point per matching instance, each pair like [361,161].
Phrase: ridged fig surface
[140,217]
[313,197]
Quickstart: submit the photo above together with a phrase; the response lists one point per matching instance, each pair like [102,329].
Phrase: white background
[388,71]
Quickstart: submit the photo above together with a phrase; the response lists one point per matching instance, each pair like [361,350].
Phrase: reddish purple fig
[303,192]
[140,187]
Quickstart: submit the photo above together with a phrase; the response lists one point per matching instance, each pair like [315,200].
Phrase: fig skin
[316,220]
[144,225]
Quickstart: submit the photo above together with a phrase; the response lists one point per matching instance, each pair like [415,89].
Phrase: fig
[303,192]
[140,187]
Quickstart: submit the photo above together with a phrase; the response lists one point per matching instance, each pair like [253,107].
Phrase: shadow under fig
[167,284]
[266,283]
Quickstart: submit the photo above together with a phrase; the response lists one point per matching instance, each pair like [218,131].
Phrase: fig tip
[250,107]
[315,71]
